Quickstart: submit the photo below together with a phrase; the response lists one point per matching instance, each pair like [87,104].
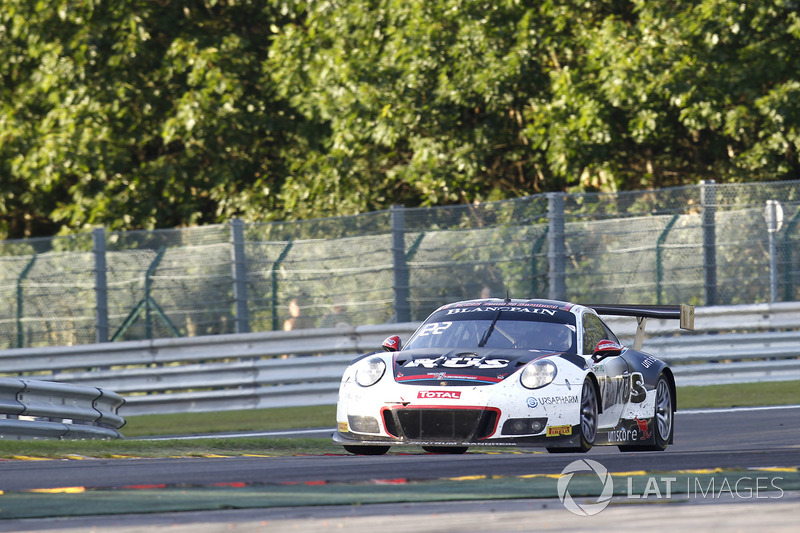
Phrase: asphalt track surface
[741,438]
[745,438]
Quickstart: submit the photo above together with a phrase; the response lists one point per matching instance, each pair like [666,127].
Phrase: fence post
[147,304]
[774,218]
[20,302]
[536,249]
[401,278]
[660,258]
[557,252]
[239,276]
[788,262]
[275,266]
[708,200]
[100,284]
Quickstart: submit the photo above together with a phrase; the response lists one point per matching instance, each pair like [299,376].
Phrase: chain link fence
[708,244]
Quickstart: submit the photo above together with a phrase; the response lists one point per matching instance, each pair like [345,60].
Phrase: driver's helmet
[556,337]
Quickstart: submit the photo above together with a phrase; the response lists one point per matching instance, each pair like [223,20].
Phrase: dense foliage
[162,113]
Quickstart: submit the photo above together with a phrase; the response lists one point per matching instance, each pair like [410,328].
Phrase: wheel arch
[667,371]
[596,386]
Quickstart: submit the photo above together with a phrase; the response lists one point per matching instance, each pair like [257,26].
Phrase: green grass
[224,421]
[745,394]
[740,395]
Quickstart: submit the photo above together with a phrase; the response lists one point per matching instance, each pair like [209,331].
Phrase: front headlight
[370,371]
[538,374]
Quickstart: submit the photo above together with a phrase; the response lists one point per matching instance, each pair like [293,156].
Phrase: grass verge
[740,395]
[226,421]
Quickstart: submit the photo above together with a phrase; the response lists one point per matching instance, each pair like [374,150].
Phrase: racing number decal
[434,328]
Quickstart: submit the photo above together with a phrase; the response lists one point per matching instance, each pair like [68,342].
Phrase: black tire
[663,419]
[587,429]
[366,450]
[452,450]
[664,416]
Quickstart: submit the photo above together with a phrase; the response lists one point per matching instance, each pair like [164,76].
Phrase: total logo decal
[438,395]
[551,400]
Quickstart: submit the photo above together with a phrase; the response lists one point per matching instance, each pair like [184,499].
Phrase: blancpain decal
[438,394]
[457,362]
[515,309]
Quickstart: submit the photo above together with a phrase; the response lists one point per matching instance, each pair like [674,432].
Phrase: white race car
[495,372]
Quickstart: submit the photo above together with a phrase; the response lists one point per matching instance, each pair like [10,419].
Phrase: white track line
[735,409]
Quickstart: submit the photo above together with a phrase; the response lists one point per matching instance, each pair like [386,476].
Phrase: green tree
[674,92]
[137,114]
[458,101]
[424,101]
[143,114]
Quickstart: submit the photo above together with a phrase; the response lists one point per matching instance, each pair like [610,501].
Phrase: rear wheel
[663,419]
[588,422]
[366,450]
[453,450]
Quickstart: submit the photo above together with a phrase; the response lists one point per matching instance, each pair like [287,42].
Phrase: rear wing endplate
[683,312]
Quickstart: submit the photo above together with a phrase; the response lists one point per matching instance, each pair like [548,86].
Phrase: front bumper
[571,441]
[501,414]
[447,425]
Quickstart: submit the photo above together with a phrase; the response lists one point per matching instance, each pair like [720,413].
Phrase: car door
[612,372]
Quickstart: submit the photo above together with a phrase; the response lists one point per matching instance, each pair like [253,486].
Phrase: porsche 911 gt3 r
[495,372]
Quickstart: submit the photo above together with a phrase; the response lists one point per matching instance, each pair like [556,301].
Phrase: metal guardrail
[33,409]
[303,367]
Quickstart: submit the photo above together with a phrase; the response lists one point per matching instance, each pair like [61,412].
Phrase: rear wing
[683,312]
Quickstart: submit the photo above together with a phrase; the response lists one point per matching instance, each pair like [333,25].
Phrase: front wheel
[366,450]
[588,421]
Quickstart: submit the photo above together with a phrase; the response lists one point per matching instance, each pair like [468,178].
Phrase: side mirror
[391,344]
[606,348]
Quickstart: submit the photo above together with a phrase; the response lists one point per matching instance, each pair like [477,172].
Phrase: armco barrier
[303,367]
[34,409]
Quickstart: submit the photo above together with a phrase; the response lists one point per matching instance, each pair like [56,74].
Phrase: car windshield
[497,327]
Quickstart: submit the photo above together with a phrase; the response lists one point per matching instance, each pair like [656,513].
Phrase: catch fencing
[731,344]
[709,244]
